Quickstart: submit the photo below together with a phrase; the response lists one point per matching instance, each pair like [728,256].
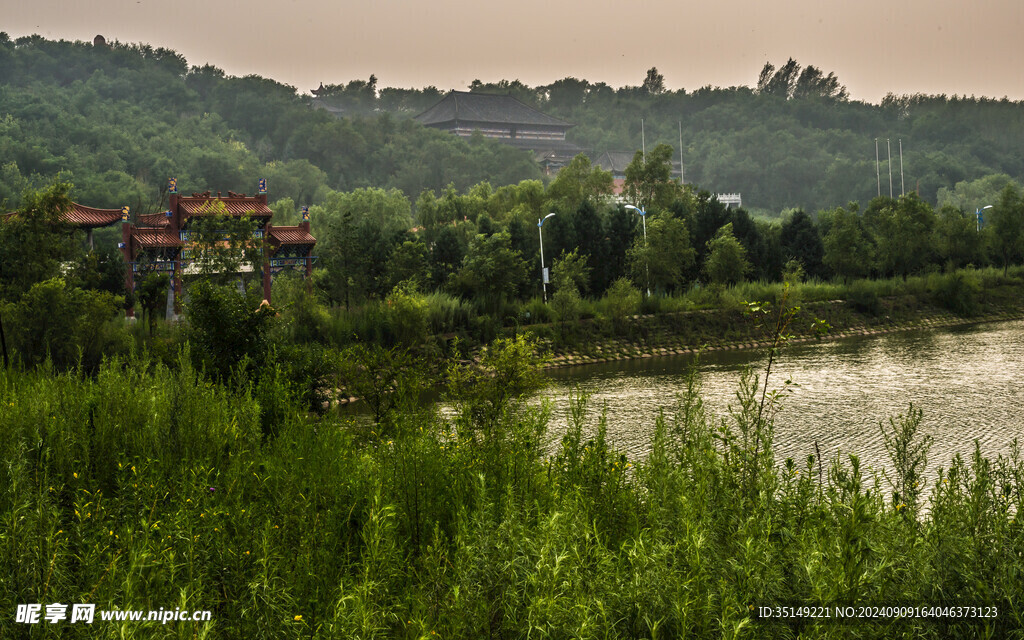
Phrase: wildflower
[75,474]
[246,553]
[297,618]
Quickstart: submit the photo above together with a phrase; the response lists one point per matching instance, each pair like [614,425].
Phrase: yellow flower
[297,618]
[75,474]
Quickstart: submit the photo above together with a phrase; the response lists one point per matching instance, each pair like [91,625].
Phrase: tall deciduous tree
[727,259]
[649,181]
[847,249]
[359,230]
[903,233]
[812,83]
[801,241]
[579,182]
[35,241]
[654,83]
[491,271]
[222,244]
[781,82]
[957,238]
[666,257]
[1006,229]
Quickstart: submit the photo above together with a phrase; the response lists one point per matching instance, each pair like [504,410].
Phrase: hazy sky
[874,46]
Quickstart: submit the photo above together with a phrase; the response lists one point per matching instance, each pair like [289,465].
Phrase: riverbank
[732,329]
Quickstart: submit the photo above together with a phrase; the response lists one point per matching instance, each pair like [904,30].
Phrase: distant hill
[117,120]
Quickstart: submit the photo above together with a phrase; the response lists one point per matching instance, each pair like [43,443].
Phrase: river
[968,381]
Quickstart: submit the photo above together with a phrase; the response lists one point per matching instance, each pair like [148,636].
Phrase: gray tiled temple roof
[485,107]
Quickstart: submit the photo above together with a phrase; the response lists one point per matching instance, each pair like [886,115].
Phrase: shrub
[957,291]
[67,325]
[408,315]
[226,328]
[621,301]
[862,295]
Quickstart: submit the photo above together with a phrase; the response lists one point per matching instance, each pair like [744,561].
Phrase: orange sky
[874,46]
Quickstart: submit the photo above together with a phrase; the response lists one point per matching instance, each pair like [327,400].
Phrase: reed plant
[147,486]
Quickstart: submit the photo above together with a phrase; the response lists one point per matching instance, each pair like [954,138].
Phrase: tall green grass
[148,486]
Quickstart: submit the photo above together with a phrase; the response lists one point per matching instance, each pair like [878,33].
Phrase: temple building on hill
[507,120]
[160,241]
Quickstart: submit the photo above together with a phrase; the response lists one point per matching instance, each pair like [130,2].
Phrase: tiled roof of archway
[201,205]
[90,218]
[290,235]
[156,238]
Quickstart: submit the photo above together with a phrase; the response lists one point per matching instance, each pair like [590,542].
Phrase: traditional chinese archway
[160,241]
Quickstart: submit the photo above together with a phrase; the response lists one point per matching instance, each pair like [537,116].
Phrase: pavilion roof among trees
[487,109]
[505,119]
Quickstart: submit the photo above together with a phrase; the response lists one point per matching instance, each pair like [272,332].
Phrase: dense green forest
[399,208]
[118,120]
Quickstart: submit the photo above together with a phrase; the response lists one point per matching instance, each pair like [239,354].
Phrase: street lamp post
[647,265]
[978,215]
[543,271]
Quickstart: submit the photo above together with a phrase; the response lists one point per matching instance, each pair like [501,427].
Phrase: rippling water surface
[967,380]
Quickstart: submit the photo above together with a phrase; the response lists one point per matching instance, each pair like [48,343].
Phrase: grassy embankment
[148,486]
[719,321]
